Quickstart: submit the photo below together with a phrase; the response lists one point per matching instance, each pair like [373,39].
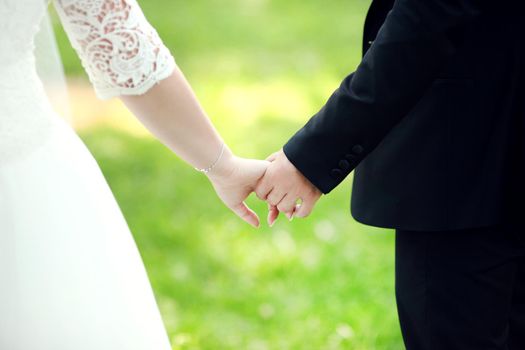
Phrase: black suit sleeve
[416,40]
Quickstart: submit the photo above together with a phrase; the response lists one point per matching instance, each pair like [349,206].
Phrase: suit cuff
[324,172]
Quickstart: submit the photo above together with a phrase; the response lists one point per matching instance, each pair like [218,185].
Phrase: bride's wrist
[224,167]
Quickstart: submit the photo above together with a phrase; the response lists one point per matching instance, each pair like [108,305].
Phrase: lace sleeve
[121,52]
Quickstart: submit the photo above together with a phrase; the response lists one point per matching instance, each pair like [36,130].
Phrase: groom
[432,121]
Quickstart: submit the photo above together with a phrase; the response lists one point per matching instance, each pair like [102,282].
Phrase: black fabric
[432,119]
[462,289]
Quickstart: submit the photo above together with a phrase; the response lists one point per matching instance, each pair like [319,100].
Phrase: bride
[70,274]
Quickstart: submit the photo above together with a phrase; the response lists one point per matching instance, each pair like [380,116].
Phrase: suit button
[351,157]
[344,165]
[357,149]
[336,173]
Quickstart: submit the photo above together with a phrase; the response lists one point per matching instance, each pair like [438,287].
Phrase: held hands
[286,190]
[275,180]
[234,180]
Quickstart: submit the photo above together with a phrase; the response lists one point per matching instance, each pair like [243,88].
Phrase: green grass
[261,68]
[222,285]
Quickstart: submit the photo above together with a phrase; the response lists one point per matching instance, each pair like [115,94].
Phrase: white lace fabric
[121,52]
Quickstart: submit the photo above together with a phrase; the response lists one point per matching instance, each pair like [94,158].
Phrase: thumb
[246,214]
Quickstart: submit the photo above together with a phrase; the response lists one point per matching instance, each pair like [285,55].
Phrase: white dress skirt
[71,277]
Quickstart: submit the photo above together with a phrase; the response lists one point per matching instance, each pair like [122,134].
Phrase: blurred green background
[261,68]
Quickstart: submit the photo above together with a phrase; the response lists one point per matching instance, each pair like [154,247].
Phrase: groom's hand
[283,186]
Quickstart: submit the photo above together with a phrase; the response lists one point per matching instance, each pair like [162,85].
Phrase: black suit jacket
[432,120]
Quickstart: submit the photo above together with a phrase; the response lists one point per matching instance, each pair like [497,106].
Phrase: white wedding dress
[71,277]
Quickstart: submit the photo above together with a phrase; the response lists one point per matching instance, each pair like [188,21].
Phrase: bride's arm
[124,57]
[172,113]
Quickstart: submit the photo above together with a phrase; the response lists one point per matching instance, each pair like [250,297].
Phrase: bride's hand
[234,179]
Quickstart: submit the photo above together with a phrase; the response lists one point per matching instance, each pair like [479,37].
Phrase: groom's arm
[416,40]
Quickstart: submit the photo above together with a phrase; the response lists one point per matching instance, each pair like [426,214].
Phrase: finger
[263,188]
[273,214]
[246,214]
[263,194]
[287,205]
[306,207]
[274,197]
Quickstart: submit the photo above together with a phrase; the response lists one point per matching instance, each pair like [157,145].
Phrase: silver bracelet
[210,168]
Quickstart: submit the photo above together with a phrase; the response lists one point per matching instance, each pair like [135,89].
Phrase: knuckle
[261,192]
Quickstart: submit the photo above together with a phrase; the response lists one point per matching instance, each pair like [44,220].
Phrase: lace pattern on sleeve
[121,52]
